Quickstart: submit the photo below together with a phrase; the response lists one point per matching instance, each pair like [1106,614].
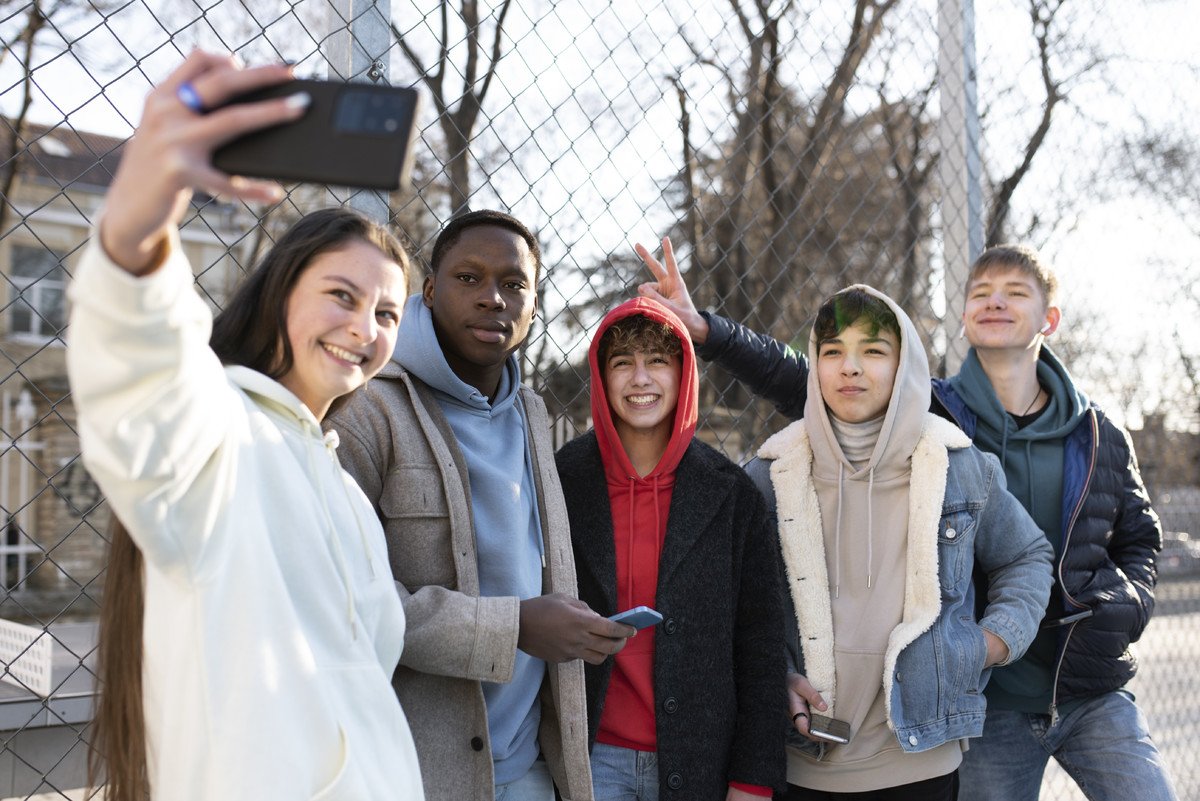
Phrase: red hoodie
[639,508]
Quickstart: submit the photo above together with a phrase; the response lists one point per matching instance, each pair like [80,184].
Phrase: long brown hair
[250,331]
[118,746]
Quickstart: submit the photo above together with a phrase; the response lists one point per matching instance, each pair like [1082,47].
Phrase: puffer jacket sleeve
[768,367]
[1135,542]
[152,399]
[1017,558]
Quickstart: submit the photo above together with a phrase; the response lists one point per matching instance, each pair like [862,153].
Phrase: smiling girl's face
[342,318]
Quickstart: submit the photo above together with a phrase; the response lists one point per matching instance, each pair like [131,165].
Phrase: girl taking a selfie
[251,625]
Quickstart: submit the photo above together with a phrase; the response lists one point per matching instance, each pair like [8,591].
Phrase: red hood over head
[616,462]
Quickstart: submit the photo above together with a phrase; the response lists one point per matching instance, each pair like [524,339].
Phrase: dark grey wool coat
[719,686]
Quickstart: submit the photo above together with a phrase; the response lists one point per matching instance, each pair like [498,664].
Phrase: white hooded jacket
[272,624]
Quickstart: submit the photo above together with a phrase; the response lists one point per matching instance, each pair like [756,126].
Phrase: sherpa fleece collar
[803,545]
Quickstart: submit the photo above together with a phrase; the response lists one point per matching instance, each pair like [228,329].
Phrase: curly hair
[638,334]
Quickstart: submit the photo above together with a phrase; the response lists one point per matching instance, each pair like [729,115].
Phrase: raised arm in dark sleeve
[768,367]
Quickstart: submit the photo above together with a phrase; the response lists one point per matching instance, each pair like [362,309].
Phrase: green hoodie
[1033,465]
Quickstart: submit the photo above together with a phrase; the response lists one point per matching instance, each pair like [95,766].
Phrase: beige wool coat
[398,445]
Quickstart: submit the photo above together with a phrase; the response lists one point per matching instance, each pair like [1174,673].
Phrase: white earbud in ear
[1045,329]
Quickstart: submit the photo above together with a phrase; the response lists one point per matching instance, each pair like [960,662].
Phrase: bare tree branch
[458,124]
[1042,15]
[868,21]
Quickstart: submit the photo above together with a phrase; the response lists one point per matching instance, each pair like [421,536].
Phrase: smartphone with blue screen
[639,617]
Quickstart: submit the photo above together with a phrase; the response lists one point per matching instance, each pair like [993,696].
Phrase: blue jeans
[536,785]
[1104,745]
[623,774]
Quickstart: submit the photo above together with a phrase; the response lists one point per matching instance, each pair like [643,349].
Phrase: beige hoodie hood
[901,423]
[876,491]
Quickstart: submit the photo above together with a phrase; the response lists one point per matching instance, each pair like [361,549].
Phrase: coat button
[912,739]
[674,780]
[670,627]
[477,743]
[671,706]
[951,533]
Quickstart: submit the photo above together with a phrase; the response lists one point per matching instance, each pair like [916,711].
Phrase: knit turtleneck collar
[857,440]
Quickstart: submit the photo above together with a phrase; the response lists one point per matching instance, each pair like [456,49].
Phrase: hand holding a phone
[639,617]
[170,153]
[559,628]
[803,698]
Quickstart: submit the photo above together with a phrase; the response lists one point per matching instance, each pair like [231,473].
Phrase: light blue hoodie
[508,535]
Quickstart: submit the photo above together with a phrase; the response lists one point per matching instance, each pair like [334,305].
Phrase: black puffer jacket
[1111,539]
[1111,535]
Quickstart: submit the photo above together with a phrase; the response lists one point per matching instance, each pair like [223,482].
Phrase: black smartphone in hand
[352,134]
[827,728]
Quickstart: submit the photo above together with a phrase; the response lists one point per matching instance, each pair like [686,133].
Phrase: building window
[39,286]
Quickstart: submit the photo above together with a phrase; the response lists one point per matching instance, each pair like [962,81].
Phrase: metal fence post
[357,49]
[959,168]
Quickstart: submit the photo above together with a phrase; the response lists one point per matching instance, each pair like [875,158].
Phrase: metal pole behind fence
[959,167]
[358,49]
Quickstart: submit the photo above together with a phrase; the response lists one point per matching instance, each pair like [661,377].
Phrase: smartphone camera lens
[363,111]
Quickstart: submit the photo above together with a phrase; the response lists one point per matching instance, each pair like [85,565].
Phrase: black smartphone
[353,134]
[1067,619]
[831,729]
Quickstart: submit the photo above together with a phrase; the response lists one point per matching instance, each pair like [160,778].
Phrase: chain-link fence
[788,147]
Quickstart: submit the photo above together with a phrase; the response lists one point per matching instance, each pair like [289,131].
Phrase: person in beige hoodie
[884,512]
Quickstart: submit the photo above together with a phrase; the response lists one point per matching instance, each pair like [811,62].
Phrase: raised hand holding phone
[170,154]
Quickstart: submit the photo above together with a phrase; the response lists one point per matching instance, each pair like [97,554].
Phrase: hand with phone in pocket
[805,704]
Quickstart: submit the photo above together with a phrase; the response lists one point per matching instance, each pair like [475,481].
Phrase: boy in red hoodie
[693,708]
